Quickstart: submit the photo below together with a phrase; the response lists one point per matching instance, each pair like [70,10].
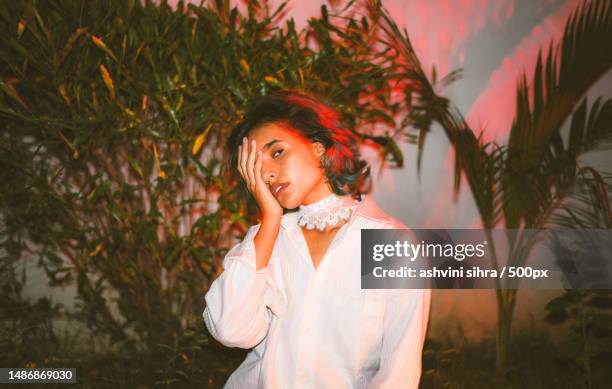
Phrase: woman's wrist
[271,216]
[265,238]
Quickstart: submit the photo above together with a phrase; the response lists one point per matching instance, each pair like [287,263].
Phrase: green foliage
[536,362]
[538,157]
[113,118]
[589,344]
[537,180]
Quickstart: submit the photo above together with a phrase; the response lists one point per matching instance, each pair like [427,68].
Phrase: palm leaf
[482,165]
[588,206]
[578,190]
[585,55]
[471,157]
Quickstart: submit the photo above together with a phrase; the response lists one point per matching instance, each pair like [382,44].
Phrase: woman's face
[290,165]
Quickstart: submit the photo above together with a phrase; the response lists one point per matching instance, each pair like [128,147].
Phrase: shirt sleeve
[240,302]
[405,326]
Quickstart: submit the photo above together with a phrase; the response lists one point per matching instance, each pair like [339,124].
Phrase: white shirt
[316,328]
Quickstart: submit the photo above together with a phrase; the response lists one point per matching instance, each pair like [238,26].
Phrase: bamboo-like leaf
[41,24]
[71,41]
[273,81]
[160,172]
[199,141]
[62,90]
[100,43]
[10,90]
[97,250]
[108,81]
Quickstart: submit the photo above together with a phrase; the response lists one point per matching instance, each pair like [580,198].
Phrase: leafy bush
[113,119]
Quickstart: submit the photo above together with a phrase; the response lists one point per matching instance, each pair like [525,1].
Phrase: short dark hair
[346,172]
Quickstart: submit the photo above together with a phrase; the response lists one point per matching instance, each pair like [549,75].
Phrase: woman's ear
[319,149]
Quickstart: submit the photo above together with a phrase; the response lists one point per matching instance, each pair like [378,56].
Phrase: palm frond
[560,181]
[472,158]
[482,165]
[559,82]
[588,206]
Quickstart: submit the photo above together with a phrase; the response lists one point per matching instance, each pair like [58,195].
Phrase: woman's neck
[319,193]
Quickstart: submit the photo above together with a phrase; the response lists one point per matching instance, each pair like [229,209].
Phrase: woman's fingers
[239,162]
[244,164]
[251,167]
[244,148]
[251,163]
[259,182]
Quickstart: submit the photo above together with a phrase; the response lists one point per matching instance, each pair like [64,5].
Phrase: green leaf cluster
[589,343]
[113,118]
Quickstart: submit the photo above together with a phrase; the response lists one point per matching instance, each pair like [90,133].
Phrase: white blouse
[316,328]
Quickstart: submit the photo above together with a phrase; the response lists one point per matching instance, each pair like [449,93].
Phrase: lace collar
[328,211]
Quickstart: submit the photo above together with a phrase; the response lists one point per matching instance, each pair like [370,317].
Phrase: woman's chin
[288,202]
[287,205]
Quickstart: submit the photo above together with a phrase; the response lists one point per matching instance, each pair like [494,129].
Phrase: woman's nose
[268,171]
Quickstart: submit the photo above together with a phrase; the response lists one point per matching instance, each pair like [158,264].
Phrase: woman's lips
[279,188]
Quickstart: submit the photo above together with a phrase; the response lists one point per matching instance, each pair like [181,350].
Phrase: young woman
[291,289]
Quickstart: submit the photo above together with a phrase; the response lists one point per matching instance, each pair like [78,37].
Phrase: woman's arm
[405,326]
[236,311]
[264,240]
[237,302]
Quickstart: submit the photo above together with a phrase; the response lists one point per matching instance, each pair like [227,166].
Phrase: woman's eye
[277,153]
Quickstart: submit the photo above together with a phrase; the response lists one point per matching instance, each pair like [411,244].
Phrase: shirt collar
[366,208]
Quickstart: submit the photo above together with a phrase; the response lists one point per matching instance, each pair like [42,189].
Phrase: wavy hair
[346,172]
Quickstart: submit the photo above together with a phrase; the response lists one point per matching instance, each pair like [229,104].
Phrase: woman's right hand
[249,166]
